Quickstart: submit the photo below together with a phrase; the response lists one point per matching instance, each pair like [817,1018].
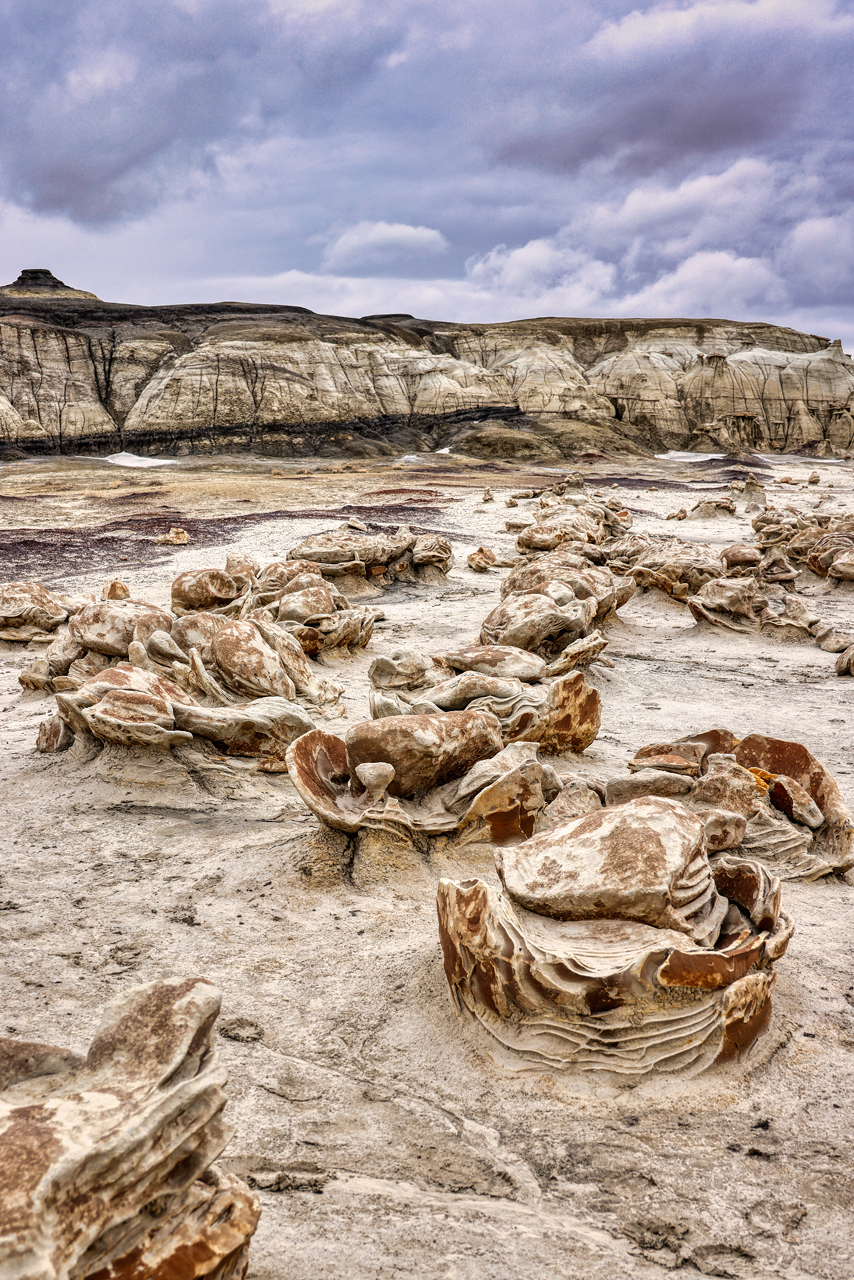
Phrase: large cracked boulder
[107,1162]
[644,861]
[109,626]
[544,622]
[561,715]
[410,776]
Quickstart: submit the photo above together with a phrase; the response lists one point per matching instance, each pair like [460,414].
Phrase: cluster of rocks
[767,797]
[452,749]
[561,588]
[133,673]
[635,921]
[744,587]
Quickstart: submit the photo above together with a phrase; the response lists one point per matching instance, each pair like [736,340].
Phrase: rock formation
[28,611]
[133,707]
[422,775]
[615,947]
[561,716]
[778,803]
[106,1162]
[77,374]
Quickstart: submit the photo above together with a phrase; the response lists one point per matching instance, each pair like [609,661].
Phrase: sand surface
[405,1152]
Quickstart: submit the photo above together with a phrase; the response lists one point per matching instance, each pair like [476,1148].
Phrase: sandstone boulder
[203,589]
[425,751]
[644,860]
[109,626]
[537,623]
[497,660]
[609,994]
[262,728]
[502,791]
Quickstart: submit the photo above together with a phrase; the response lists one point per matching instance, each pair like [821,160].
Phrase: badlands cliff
[81,375]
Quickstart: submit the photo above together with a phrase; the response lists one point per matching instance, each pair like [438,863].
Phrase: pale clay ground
[440,1164]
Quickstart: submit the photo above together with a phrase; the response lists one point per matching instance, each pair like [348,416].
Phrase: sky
[469,160]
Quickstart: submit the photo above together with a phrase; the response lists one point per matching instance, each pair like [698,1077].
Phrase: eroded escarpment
[78,374]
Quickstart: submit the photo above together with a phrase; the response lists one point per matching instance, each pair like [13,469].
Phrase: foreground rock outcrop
[79,374]
[106,1162]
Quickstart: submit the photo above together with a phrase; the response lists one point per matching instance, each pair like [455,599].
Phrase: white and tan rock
[607,994]
[538,622]
[28,611]
[109,626]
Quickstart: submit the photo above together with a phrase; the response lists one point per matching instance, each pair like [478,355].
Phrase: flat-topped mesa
[38,282]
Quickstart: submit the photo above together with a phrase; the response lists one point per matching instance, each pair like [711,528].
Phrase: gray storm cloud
[484,159]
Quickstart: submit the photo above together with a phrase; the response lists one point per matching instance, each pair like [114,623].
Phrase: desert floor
[407,1152]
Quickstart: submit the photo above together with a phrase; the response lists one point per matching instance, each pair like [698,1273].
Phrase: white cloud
[718,283]
[543,268]
[100,74]
[666,29]
[818,257]
[378,243]
[709,209]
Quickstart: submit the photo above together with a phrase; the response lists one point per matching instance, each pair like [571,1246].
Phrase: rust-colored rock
[109,626]
[769,798]
[202,589]
[481,560]
[54,735]
[790,798]
[425,751]
[833,842]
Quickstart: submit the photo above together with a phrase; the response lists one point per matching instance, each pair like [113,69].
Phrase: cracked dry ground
[405,1153]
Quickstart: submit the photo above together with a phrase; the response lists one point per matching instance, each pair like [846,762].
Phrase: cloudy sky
[457,159]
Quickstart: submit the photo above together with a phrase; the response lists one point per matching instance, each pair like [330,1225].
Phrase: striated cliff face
[79,374]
